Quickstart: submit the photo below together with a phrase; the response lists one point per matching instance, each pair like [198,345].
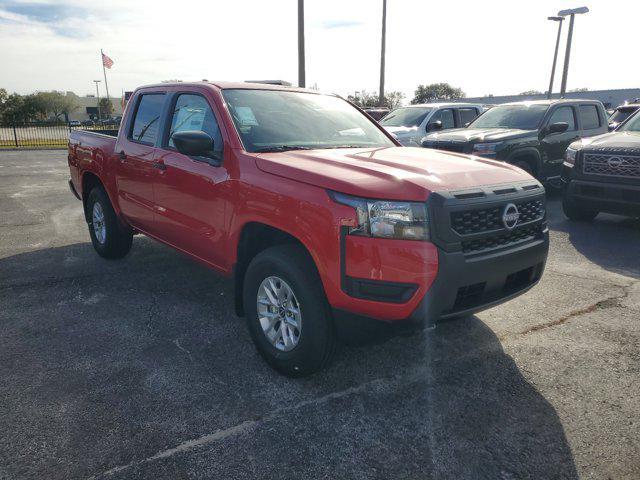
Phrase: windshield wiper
[281,148]
[345,146]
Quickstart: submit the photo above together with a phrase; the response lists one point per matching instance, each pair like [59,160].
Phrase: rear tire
[109,238]
[573,211]
[312,344]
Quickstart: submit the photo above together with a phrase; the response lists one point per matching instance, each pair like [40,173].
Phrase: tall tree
[56,104]
[106,107]
[13,109]
[365,99]
[531,92]
[3,99]
[436,91]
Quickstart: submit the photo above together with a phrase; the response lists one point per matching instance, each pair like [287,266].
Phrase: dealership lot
[139,368]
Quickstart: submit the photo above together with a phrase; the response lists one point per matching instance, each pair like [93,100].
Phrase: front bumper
[468,266]
[616,198]
[462,287]
[465,286]
[604,193]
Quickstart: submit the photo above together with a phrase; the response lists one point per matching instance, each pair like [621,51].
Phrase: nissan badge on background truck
[317,213]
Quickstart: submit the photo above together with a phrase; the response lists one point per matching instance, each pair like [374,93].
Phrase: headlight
[387,218]
[570,157]
[486,148]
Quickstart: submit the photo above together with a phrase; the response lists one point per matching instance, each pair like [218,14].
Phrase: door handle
[159,166]
[123,156]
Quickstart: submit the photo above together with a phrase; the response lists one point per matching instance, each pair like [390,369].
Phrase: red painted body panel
[201,209]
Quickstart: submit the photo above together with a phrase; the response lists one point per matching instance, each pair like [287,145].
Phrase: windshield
[621,114]
[406,117]
[273,120]
[633,125]
[521,117]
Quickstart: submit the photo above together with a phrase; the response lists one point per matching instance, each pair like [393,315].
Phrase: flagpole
[104,71]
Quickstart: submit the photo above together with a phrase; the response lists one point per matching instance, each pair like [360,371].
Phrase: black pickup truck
[531,135]
[602,174]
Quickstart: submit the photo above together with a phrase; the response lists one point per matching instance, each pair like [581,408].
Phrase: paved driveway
[139,369]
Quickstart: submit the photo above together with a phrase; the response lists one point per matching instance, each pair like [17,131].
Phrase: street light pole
[98,96]
[555,54]
[568,13]
[301,73]
[382,51]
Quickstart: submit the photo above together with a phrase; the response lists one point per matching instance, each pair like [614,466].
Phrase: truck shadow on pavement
[610,241]
[124,364]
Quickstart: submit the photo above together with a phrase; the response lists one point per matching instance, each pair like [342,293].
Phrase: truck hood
[610,141]
[476,135]
[393,173]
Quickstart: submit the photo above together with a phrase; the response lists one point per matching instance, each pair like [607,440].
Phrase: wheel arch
[529,155]
[89,181]
[255,237]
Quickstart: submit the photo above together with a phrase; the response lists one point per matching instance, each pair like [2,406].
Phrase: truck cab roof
[226,85]
[443,104]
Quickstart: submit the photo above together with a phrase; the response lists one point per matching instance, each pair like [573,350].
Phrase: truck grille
[611,165]
[520,235]
[468,222]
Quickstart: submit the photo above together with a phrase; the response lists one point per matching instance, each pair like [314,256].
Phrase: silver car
[410,124]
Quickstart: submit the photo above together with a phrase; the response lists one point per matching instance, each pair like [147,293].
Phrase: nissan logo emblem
[510,216]
[614,162]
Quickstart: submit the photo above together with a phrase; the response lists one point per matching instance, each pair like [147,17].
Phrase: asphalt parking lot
[139,369]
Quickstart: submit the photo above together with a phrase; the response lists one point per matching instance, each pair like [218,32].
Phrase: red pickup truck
[321,217]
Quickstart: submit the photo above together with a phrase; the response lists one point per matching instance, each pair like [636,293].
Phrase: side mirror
[466,125]
[437,125]
[194,143]
[612,126]
[558,127]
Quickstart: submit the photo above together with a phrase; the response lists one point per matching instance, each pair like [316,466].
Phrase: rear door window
[146,123]
[445,116]
[566,115]
[589,117]
[467,115]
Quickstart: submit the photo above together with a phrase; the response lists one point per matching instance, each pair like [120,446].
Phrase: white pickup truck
[410,124]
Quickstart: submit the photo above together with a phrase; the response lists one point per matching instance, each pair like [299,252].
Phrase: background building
[88,107]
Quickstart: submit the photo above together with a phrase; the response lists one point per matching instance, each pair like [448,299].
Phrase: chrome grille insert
[611,165]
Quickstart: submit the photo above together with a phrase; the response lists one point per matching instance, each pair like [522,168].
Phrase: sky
[484,47]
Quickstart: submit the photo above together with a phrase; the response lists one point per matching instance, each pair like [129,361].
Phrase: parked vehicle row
[553,140]
[323,220]
[531,135]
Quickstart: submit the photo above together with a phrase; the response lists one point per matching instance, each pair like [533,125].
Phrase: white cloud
[483,47]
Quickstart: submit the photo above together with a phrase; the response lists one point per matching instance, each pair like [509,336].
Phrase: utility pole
[98,97]
[555,54]
[301,75]
[567,56]
[382,51]
[572,14]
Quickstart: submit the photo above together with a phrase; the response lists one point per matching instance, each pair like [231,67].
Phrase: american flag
[106,61]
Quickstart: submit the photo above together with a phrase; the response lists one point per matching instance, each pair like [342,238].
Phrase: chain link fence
[44,134]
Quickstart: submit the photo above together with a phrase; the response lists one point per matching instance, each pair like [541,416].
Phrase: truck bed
[86,147]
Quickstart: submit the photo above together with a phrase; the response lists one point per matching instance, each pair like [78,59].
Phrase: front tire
[573,211]
[109,238]
[287,313]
